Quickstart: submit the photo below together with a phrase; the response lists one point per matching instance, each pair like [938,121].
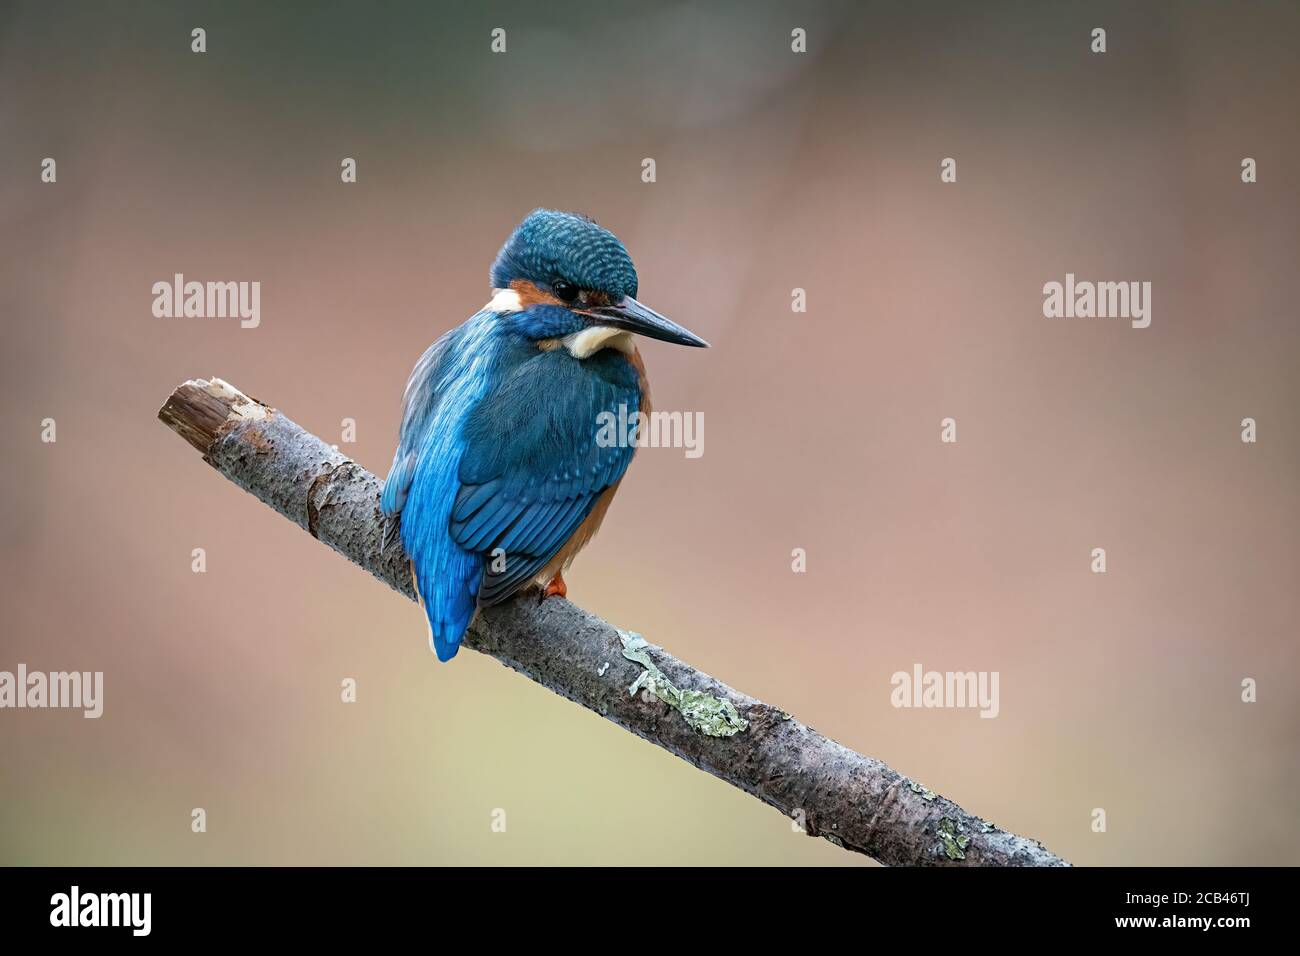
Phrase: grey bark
[852,800]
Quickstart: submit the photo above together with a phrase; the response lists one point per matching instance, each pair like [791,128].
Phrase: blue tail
[449,592]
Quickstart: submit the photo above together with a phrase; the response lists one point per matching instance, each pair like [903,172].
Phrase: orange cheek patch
[530,295]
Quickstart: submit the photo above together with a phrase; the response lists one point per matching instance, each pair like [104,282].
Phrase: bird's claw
[557,586]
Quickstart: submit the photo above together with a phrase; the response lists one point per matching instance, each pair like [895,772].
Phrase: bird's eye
[564,291]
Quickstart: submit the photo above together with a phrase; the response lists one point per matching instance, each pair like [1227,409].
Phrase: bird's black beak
[631,315]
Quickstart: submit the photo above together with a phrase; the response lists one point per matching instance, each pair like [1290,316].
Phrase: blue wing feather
[446,384]
[532,469]
[418,404]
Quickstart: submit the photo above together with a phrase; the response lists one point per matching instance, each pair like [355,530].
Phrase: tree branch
[854,801]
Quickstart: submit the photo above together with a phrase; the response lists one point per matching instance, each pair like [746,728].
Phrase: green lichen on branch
[954,843]
[713,716]
[926,793]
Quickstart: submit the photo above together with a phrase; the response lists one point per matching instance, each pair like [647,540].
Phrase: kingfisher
[502,474]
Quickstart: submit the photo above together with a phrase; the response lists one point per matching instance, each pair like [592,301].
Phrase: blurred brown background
[775,171]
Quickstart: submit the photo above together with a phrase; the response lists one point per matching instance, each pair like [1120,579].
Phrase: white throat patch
[588,342]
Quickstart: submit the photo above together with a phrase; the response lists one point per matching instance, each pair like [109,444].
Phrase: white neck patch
[588,342]
[504,300]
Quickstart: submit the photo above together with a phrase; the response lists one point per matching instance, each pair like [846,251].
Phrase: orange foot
[557,586]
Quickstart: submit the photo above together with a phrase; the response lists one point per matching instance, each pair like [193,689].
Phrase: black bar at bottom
[304,905]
